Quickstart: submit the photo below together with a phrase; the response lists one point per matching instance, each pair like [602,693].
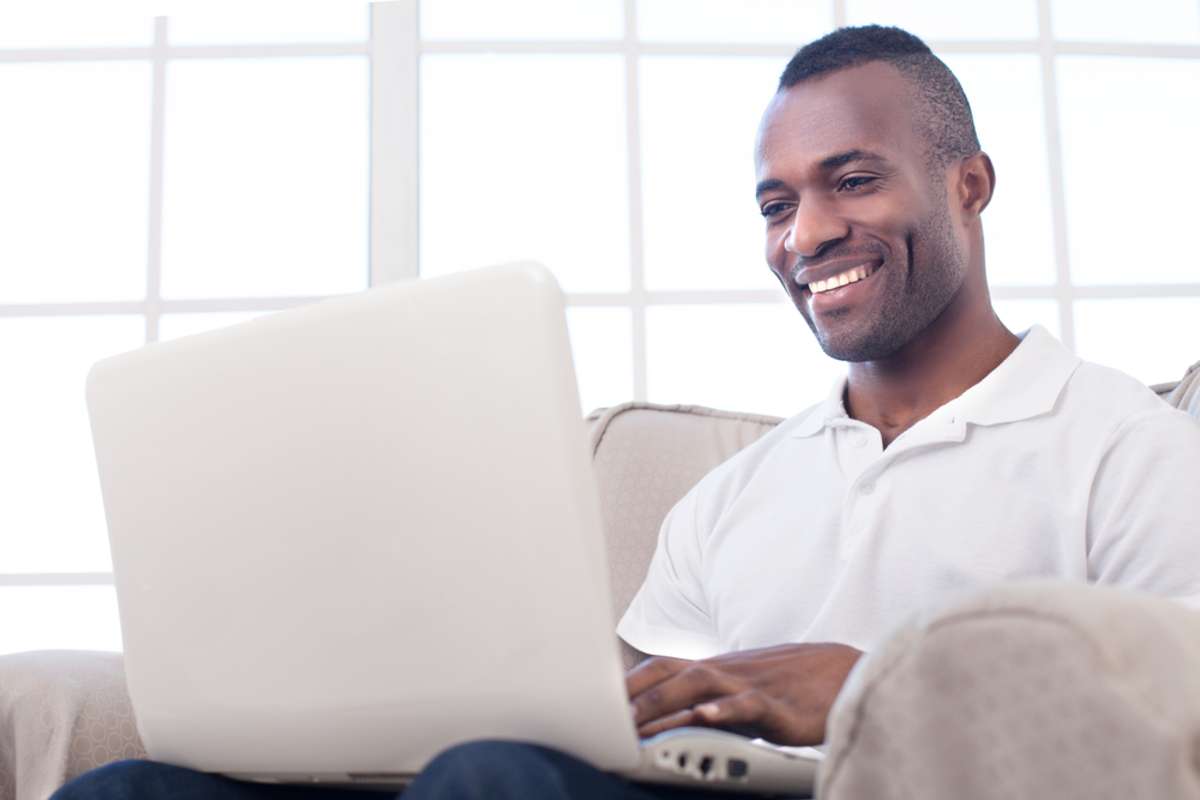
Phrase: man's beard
[934,273]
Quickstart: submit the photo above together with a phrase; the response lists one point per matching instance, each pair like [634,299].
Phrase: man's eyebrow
[849,157]
[828,163]
[768,185]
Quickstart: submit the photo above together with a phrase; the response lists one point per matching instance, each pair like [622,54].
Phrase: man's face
[850,201]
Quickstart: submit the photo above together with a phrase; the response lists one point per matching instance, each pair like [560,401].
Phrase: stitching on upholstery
[856,722]
[605,416]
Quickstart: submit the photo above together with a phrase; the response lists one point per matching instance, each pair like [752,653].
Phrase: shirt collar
[1026,384]
[830,409]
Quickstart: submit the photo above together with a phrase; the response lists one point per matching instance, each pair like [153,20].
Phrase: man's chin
[849,342]
[856,347]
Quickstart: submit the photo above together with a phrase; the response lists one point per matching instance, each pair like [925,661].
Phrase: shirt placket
[860,448]
[865,460]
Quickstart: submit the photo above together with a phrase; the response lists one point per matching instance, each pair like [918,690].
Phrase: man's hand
[782,694]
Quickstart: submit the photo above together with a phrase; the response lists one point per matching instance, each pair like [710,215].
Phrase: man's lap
[487,769]
[144,780]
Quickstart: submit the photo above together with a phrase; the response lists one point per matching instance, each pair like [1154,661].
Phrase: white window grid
[395,48]
[393,253]
[638,298]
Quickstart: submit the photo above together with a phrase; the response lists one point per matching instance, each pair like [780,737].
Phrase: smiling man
[871,182]
[955,454]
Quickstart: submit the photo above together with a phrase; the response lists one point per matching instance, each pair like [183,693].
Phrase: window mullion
[158,95]
[395,147]
[633,155]
[1058,208]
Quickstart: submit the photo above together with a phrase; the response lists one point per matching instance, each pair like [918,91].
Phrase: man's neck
[949,357]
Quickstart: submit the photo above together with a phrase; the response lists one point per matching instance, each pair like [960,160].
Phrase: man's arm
[630,656]
[669,613]
[782,693]
[1143,528]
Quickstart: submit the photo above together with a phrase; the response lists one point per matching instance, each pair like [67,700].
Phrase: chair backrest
[1185,394]
[648,456]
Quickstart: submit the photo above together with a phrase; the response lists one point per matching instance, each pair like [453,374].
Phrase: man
[954,455]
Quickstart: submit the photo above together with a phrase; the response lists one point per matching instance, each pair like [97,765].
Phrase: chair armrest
[62,712]
[1038,689]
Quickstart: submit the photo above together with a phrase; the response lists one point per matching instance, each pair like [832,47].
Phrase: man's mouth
[852,275]
[849,287]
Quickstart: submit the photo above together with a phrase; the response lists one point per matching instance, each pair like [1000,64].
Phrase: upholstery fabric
[1042,689]
[647,457]
[61,714]
[1185,395]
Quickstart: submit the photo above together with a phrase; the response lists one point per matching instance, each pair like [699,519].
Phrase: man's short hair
[943,115]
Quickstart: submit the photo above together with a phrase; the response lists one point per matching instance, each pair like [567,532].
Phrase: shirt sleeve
[1144,509]
[669,615]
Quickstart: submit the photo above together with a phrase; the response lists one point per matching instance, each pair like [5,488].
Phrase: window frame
[394,48]
[392,52]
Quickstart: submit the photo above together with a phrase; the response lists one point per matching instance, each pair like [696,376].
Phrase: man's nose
[814,227]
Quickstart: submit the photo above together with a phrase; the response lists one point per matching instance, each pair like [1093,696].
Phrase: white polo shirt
[1049,466]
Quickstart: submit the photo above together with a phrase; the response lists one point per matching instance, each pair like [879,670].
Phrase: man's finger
[746,708]
[652,671]
[692,684]
[676,720]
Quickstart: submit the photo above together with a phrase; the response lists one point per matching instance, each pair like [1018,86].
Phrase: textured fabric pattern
[647,457]
[1039,689]
[61,714]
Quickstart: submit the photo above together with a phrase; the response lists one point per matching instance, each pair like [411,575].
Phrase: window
[664,108]
[174,174]
[161,177]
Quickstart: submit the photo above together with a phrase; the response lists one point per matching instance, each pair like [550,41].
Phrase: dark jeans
[474,771]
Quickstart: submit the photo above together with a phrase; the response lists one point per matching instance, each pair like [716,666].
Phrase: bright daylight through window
[150,192]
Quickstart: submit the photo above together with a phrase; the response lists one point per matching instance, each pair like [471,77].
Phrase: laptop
[348,536]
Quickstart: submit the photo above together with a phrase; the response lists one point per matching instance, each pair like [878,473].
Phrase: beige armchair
[1038,690]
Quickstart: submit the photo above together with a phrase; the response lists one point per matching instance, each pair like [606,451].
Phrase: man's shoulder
[1101,390]
[1111,404]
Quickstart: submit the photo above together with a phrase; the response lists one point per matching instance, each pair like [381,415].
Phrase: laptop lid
[349,535]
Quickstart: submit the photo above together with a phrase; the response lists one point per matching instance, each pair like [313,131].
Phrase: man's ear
[976,183]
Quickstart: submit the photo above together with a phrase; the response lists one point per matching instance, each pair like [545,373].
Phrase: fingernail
[708,709]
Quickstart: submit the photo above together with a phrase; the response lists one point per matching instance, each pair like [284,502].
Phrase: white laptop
[350,535]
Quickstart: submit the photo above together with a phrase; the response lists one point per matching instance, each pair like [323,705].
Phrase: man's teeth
[849,276]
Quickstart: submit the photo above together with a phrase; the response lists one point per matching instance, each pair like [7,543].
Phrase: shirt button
[866,488]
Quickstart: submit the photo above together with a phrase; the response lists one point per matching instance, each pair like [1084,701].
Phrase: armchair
[1040,689]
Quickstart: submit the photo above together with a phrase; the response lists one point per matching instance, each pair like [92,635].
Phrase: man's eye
[854,182]
[773,209]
